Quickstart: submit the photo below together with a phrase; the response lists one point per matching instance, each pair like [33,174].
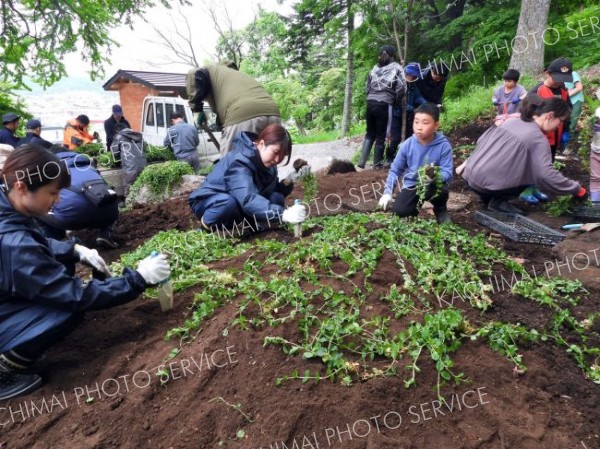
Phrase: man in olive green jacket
[240,102]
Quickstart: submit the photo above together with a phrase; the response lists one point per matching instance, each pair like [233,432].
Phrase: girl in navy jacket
[243,189]
[39,301]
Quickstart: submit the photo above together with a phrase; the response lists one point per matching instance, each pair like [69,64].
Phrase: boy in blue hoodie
[426,147]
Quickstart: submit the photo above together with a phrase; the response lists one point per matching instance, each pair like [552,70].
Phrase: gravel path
[320,154]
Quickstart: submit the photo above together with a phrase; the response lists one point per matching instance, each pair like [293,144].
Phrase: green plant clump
[155,153]
[160,178]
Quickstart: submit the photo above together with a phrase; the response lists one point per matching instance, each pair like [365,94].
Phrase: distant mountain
[64,85]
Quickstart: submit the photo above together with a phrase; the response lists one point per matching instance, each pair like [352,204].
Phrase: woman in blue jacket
[243,189]
[39,301]
[74,211]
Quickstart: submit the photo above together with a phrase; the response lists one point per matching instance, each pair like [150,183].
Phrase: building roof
[160,81]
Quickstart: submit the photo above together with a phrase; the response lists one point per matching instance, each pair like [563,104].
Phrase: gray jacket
[183,139]
[514,154]
[386,84]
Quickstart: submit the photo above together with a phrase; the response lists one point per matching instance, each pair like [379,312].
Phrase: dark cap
[117,109]
[33,124]
[10,117]
[561,70]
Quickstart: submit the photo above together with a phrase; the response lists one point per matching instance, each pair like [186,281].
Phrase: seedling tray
[586,212]
[519,228]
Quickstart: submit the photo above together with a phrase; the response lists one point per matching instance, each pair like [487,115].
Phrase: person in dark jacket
[243,188]
[414,99]
[40,303]
[112,121]
[32,135]
[385,87]
[10,122]
[129,152]
[433,82]
[74,211]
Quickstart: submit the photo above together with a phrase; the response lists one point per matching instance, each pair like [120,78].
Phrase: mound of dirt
[101,390]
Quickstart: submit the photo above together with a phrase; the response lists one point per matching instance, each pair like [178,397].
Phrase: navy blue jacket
[7,137]
[33,138]
[73,208]
[36,293]
[242,175]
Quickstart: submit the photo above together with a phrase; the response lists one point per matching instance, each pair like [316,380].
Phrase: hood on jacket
[74,159]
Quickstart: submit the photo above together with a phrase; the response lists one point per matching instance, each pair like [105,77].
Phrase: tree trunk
[347,113]
[528,45]
[405,97]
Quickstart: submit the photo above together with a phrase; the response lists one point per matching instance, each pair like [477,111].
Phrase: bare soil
[113,353]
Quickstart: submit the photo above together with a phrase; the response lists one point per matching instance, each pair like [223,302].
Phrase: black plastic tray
[587,212]
[519,228]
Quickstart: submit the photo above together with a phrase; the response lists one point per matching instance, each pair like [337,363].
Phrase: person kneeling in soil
[74,210]
[39,301]
[516,154]
[425,162]
[244,184]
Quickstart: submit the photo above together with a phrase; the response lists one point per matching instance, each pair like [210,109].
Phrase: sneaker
[106,242]
[500,205]
[442,216]
[13,384]
[540,195]
[529,198]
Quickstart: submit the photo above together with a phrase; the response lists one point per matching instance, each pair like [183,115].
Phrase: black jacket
[431,90]
[109,128]
[33,138]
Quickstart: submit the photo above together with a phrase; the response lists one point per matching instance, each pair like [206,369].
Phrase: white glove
[384,201]
[303,172]
[154,269]
[91,258]
[294,214]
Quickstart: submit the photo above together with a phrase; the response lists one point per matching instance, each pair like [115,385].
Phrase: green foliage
[310,187]
[576,36]
[474,104]
[160,178]
[562,205]
[156,153]
[91,149]
[328,98]
[38,34]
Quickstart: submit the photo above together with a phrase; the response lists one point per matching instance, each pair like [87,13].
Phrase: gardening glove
[154,269]
[384,201]
[565,138]
[581,196]
[96,136]
[303,172]
[294,214]
[92,258]
[429,174]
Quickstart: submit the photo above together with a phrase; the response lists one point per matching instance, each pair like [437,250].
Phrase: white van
[155,123]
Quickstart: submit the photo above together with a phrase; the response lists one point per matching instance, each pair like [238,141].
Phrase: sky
[137,52]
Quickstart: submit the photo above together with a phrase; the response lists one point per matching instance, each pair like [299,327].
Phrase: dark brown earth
[551,406]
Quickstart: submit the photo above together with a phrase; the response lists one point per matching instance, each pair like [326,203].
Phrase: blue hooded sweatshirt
[413,155]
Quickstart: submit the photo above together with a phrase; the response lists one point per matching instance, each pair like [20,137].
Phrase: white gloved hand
[384,201]
[294,214]
[154,269]
[303,172]
[91,258]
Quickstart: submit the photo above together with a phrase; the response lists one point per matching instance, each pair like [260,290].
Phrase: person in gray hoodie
[385,87]
[516,154]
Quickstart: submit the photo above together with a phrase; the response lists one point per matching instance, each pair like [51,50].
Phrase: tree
[347,111]
[37,34]
[528,45]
